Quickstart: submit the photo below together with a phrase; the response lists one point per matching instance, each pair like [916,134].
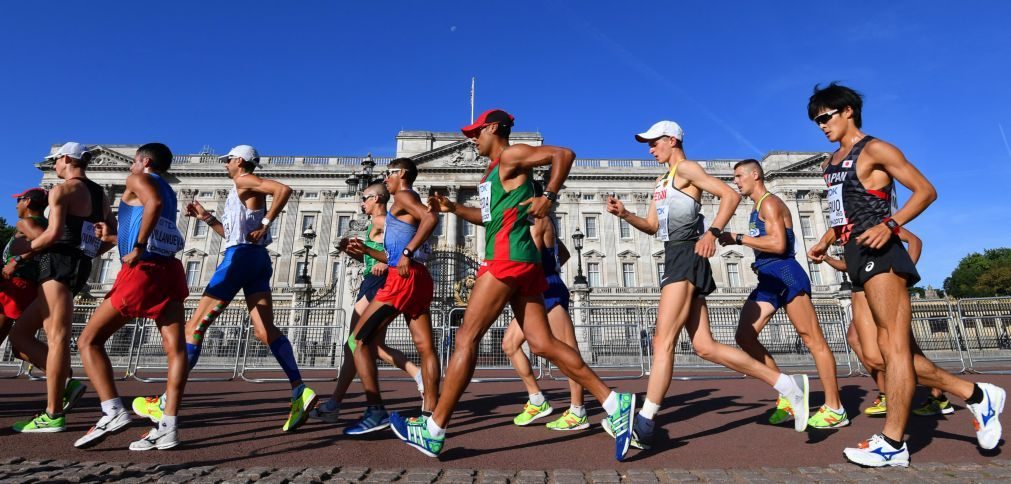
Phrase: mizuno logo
[884,453]
[990,413]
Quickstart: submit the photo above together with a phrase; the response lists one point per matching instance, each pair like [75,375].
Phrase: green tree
[6,232]
[981,275]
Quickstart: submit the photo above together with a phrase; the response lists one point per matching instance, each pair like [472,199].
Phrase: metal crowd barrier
[222,346]
[315,338]
[398,337]
[937,332]
[10,367]
[492,362]
[611,340]
[119,347]
[986,323]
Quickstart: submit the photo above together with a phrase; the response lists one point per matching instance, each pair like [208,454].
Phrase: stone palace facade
[622,265]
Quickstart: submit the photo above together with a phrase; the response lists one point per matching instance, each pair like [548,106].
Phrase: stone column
[325,233]
[452,221]
[284,262]
[581,317]
[214,241]
[182,221]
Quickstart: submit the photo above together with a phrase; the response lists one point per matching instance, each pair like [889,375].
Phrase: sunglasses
[367,197]
[653,143]
[825,117]
[22,199]
[389,173]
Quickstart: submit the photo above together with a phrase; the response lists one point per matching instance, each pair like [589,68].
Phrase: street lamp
[577,243]
[308,236]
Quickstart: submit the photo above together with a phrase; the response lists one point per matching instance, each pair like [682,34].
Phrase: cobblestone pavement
[16,469]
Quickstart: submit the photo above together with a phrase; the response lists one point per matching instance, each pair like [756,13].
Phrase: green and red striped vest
[506,228]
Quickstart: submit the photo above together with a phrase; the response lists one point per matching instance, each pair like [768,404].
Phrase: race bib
[661,217]
[484,192]
[836,212]
[753,230]
[89,241]
[166,239]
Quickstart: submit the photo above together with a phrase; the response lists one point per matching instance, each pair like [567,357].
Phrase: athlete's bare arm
[774,241]
[817,251]
[142,186]
[837,264]
[539,231]
[444,204]
[196,209]
[278,191]
[889,159]
[30,228]
[58,207]
[915,245]
[729,199]
[648,224]
[517,162]
[410,203]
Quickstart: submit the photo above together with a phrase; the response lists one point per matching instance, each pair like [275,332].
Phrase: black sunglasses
[825,117]
[367,197]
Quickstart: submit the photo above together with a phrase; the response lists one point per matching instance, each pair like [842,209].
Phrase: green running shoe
[42,423]
[879,408]
[532,412]
[826,418]
[934,406]
[72,394]
[150,407]
[300,407]
[569,421]
[414,432]
[783,411]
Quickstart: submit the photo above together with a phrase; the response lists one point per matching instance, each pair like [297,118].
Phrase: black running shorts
[65,265]
[863,263]
[681,263]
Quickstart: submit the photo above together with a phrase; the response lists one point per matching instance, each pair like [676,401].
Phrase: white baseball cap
[661,129]
[72,149]
[246,152]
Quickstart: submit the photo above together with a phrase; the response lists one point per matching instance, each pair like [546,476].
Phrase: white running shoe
[157,439]
[105,426]
[986,415]
[875,452]
[799,403]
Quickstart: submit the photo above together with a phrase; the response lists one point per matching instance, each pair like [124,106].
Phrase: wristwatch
[715,231]
[140,245]
[265,222]
[407,253]
[893,225]
[552,196]
[17,259]
[739,239]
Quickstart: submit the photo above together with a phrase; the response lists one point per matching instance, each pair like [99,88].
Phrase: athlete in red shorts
[18,288]
[151,284]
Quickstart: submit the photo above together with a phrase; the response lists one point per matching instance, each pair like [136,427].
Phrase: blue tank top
[130,216]
[756,228]
[549,260]
[396,237]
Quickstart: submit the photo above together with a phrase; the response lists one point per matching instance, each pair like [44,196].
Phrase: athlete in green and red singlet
[511,274]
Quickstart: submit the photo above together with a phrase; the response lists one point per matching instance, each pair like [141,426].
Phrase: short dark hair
[161,155]
[755,164]
[503,130]
[381,190]
[410,169]
[835,96]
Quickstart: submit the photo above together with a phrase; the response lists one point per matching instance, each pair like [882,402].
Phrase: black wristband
[140,245]
[407,253]
[715,231]
[739,239]
[551,196]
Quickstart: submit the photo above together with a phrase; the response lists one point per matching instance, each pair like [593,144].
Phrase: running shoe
[532,412]
[300,407]
[414,432]
[156,438]
[569,421]
[328,411]
[799,403]
[782,413]
[642,431]
[604,424]
[375,418]
[986,415]
[620,424]
[152,408]
[934,406]
[72,394]
[105,426]
[879,408]
[826,418]
[41,423]
[875,452]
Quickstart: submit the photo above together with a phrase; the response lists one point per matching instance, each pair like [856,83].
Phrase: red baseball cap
[488,117]
[36,196]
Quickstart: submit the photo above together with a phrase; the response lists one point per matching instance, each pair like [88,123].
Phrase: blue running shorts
[246,267]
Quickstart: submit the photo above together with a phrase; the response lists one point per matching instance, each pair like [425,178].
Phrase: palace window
[193,273]
[590,224]
[628,274]
[733,274]
[593,274]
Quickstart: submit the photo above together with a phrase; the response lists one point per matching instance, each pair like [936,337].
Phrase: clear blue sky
[318,77]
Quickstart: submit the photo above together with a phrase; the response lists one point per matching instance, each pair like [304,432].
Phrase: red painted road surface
[702,424]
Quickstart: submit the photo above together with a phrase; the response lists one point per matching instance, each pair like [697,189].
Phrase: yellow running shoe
[149,407]
[879,408]
[568,421]
[532,412]
[782,413]
[826,418]
[934,406]
[300,406]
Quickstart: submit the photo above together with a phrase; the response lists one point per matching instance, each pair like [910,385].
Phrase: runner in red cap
[510,274]
[18,288]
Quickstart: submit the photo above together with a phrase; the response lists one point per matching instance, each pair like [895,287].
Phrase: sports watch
[552,196]
[893,225]
[715,231]
[739,239]
[265,221]
[408,253]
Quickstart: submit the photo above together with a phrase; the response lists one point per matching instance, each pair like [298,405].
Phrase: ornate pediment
[194,252]
[811,164]
[461,154]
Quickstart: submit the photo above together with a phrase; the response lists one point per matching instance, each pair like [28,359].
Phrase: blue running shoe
[375,418]
[414,432]
[620,424]
[642,432]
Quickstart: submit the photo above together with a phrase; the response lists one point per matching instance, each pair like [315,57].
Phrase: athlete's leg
[888,300]
[864,338]
[805,320]
[709,349]
[421,334]
[208,310]
[105,321]
[487,300]
[57,328]
[671,316]
[512,345]
[5,327]
[375,317]
[563,330]
[261,313]
[934,377]
[754,316]
[171,324]
[24,344]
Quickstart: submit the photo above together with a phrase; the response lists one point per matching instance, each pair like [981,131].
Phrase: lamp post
[308,236]
[577,243]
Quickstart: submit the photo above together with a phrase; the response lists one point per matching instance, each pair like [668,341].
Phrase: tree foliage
[6,232]
[981,275]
